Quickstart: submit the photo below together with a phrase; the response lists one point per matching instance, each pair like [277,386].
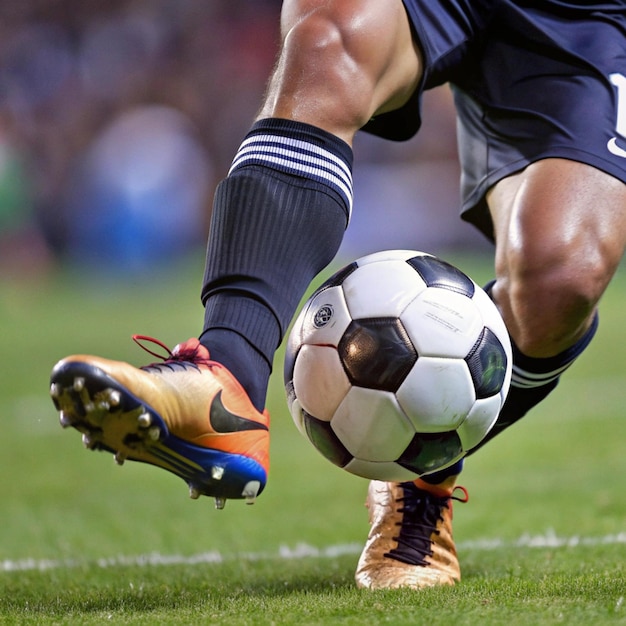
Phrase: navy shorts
[532,79]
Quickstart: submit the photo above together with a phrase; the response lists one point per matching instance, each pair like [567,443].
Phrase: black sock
[278,220]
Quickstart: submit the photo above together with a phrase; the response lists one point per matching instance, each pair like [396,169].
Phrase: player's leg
[280,215]
[278,219]
[560,229]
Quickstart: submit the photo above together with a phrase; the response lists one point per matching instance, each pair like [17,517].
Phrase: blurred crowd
[118,118]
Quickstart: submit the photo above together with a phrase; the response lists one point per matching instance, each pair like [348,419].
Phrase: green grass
[542,539]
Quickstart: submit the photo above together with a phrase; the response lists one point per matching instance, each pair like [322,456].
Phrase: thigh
[559,213]
[560,231]
[342,62]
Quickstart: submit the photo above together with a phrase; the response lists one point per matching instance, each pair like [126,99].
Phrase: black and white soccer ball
[397,366]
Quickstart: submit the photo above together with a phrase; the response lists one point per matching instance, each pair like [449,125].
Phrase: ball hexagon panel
[292,347]
[293,404]
[390,255]
[326,318]
[491,316]
[319,381]
[442,323]
[437,395]
[479,421]
[376,353]
[371,425]
[381,289]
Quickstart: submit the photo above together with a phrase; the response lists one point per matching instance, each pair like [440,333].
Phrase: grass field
[82,541]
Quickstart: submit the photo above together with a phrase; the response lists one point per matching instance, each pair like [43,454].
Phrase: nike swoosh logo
[223,421]
[615,149]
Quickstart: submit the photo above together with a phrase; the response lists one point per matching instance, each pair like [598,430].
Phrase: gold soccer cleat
[410,541]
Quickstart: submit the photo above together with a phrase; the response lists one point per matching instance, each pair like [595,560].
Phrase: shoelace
[421,511]
[183,355]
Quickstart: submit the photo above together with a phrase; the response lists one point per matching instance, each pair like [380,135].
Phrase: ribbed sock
[278,220]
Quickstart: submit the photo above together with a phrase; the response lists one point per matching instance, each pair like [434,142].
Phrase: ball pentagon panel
[376,353]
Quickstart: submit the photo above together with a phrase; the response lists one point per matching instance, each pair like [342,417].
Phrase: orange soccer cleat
[188,415]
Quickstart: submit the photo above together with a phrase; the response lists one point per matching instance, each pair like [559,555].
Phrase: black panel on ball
[487,364]
[291,352]
[429,452]
[377,353]
[337,278]
[438,273]
[323,437]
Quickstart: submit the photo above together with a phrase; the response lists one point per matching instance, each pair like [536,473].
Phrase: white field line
[300,551]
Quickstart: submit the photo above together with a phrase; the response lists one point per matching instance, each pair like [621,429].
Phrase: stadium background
[117,119]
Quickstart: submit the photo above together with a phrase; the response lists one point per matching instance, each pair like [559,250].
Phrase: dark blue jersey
[532,79]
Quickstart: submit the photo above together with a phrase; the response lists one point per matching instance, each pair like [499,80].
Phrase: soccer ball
[397,366]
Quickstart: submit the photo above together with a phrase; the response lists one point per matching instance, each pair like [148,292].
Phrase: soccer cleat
[188,415]
[410,541]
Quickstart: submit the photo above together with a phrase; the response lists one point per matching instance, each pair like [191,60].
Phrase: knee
[548,298]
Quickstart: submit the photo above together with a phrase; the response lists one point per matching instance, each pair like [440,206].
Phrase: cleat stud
[55,390]
[114,397]
[120,457]
[79,384]
[250,491]
[144,420]
[103,405]
[217,472]
[194,492]
[89,407]
[64,419]
[89,442]
[154,433]
[220,503]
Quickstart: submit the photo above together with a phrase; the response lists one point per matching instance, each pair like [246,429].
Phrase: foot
[188,415]
[410,542]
